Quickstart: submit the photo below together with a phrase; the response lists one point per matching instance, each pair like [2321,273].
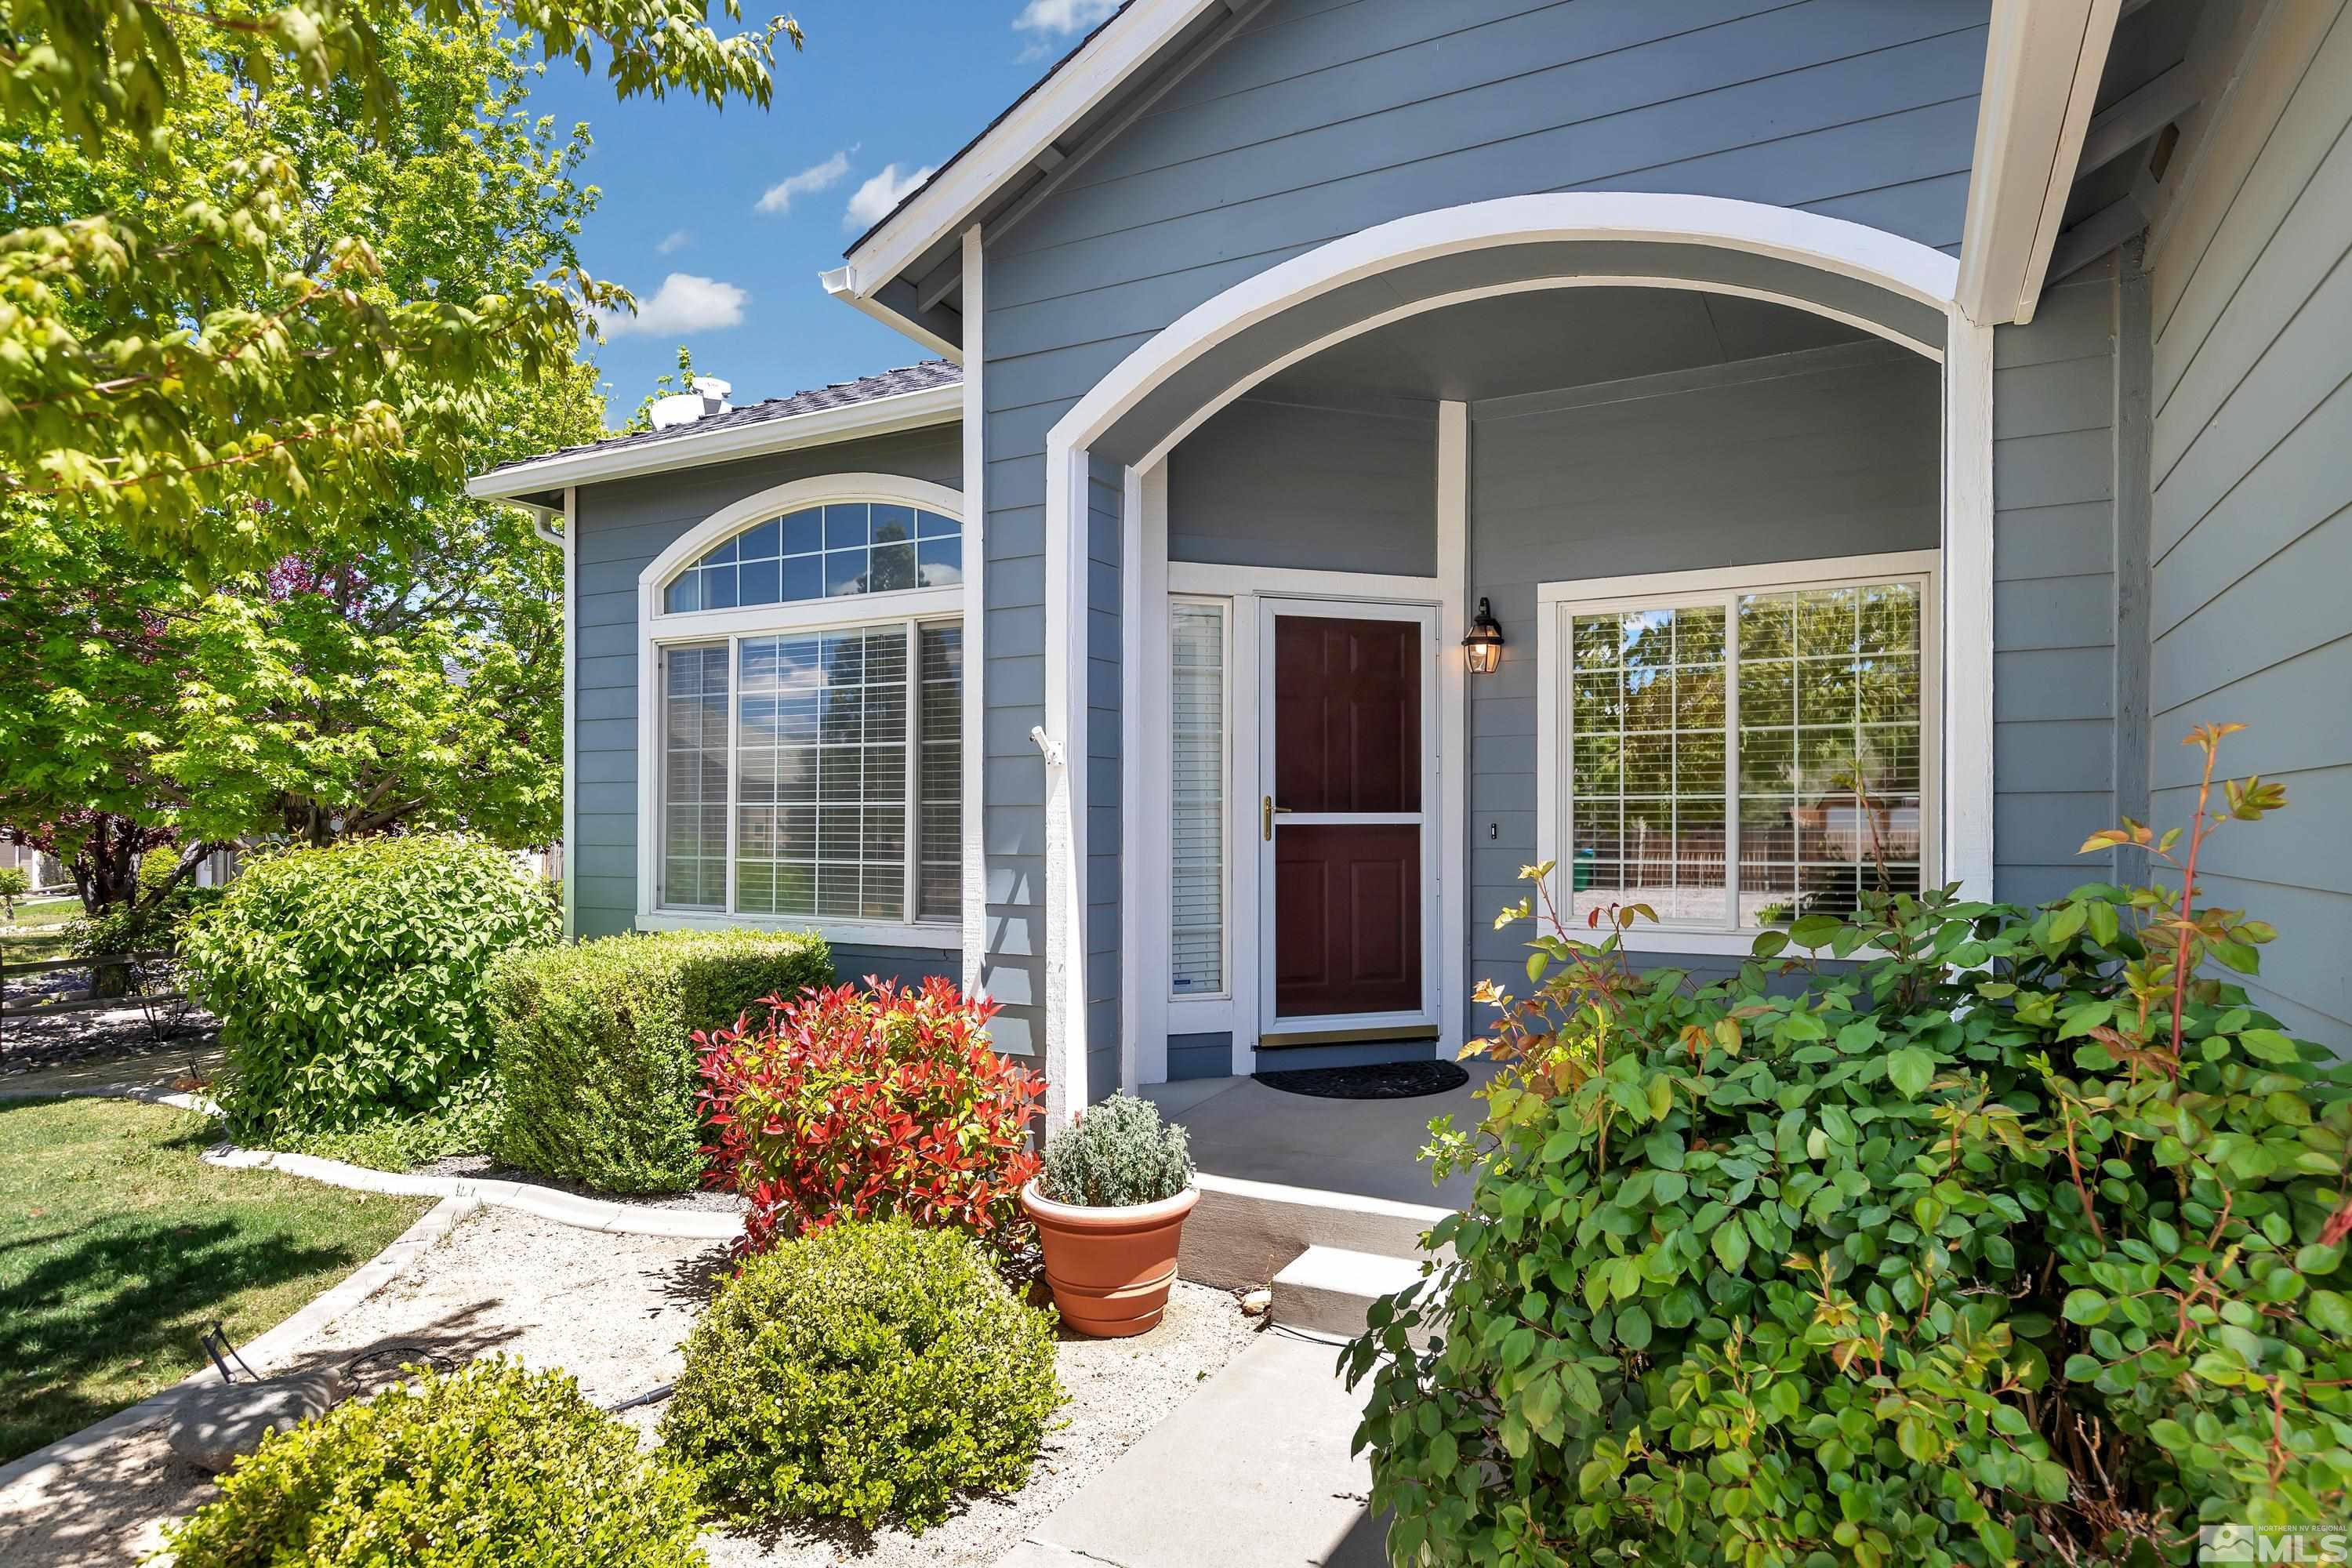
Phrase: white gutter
[879,416]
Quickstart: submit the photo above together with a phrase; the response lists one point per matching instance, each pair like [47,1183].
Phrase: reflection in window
[824,551]
[1196,634]
[694,777]
[1826,684]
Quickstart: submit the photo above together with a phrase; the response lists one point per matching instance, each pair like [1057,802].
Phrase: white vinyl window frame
[1558,604]
[659,630]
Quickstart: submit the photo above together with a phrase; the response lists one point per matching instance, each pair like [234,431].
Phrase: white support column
[571,709]
[1968,608]
[975,626]
[1062,740]
[1453,723]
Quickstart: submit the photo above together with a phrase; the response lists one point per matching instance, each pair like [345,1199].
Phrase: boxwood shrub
[596,1061]
[349,980]
[494,1464]
[865,1372]
[2022,1240]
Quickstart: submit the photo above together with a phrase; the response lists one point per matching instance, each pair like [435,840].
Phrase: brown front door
[1347,815]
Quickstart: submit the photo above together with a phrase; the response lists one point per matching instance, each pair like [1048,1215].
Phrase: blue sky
[720,221]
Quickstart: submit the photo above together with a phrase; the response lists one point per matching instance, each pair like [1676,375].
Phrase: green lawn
[118,1245]
[38,929]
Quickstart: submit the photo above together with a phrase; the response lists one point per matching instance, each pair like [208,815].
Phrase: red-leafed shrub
[853,1104]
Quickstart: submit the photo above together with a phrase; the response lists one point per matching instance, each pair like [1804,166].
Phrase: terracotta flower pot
[1109,1269]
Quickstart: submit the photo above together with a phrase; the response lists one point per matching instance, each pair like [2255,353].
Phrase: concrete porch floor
[1363,1148]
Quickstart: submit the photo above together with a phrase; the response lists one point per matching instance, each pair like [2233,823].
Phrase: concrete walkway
[1252,1469]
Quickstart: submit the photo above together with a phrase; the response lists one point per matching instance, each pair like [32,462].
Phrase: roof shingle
[895,382]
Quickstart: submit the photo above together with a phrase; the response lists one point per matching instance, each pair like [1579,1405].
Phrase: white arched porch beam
[1809,241]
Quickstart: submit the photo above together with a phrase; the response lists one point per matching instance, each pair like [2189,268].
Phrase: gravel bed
[79,1039]
[613,1311]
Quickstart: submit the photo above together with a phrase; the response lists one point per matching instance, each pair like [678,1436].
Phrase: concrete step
[1241,1232]
[1328,1290]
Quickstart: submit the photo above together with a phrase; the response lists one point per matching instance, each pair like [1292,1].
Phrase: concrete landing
[1328,1290]
[1253,1469]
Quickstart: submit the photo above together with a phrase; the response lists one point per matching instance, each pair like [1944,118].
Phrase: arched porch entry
[1116,442]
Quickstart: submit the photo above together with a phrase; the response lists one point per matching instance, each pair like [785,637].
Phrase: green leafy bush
[1118,1154]
[2005,1244]
[15,883]
[863,1372]
[348,981]
[596,1059]
[494,1464]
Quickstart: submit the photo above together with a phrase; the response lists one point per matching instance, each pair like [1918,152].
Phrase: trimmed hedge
[595,1053]
[348,979]
[494,1464]
[865,1372]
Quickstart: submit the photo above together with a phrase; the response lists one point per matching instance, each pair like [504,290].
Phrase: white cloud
[684,303]
[872,202]
[816,177]
[674,239]
[1062,16]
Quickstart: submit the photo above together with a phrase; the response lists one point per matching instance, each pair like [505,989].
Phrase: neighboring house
[1879,431]
[42,868]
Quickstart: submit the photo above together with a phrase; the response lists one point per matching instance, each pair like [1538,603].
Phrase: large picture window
[1741,749]
[804,728]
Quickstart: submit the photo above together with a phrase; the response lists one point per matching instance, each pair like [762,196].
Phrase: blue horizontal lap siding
[2054,655]
[2251,535]
[623,525]
[1320,121]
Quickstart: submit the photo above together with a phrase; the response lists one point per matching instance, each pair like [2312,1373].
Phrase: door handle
[1265,813]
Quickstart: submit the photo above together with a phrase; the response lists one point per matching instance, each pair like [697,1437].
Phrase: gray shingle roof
[905,378]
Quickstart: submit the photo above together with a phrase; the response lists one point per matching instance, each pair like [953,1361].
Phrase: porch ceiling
[1517,343]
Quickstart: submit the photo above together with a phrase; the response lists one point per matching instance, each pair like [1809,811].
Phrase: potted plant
[1110,1205]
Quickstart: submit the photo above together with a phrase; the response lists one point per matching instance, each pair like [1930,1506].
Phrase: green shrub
[491,1464]
[596,1061]
[2005,1246]
[468,1126]
[863,1372]
[1115,1155]
[15,883]
[348,981]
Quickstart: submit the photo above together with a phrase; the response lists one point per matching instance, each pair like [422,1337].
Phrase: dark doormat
[1389,1080]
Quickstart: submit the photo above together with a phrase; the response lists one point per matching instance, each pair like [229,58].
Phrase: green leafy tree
[405,668]
[15,883]
[212,344]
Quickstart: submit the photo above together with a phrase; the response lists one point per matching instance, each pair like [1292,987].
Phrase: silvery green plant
[1116,1154]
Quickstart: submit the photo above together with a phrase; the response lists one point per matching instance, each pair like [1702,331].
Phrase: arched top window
[833,551]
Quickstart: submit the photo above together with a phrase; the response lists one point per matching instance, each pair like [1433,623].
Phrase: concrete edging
[266,1353]
[546,1203]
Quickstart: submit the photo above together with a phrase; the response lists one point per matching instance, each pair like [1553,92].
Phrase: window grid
[832,550]
[802,807]
[1746,757]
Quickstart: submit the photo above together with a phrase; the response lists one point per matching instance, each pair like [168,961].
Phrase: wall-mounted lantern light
[1482,648]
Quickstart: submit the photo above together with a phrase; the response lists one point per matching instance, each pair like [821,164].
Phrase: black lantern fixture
[1482,647]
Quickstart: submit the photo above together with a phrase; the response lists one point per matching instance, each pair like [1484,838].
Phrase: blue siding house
[1740,451]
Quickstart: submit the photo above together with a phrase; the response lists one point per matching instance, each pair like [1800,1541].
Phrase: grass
[38,930]
[118,1245]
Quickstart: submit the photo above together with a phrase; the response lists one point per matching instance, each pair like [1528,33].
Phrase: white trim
[1013,143]
[876,417]
[2042,63]
[1968,610]
[1452,818]
[974,500]
[570,827]
[1555,739]
[1062,737]
[1888,261]
[658,630]
[1144,966]
[1130,769]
